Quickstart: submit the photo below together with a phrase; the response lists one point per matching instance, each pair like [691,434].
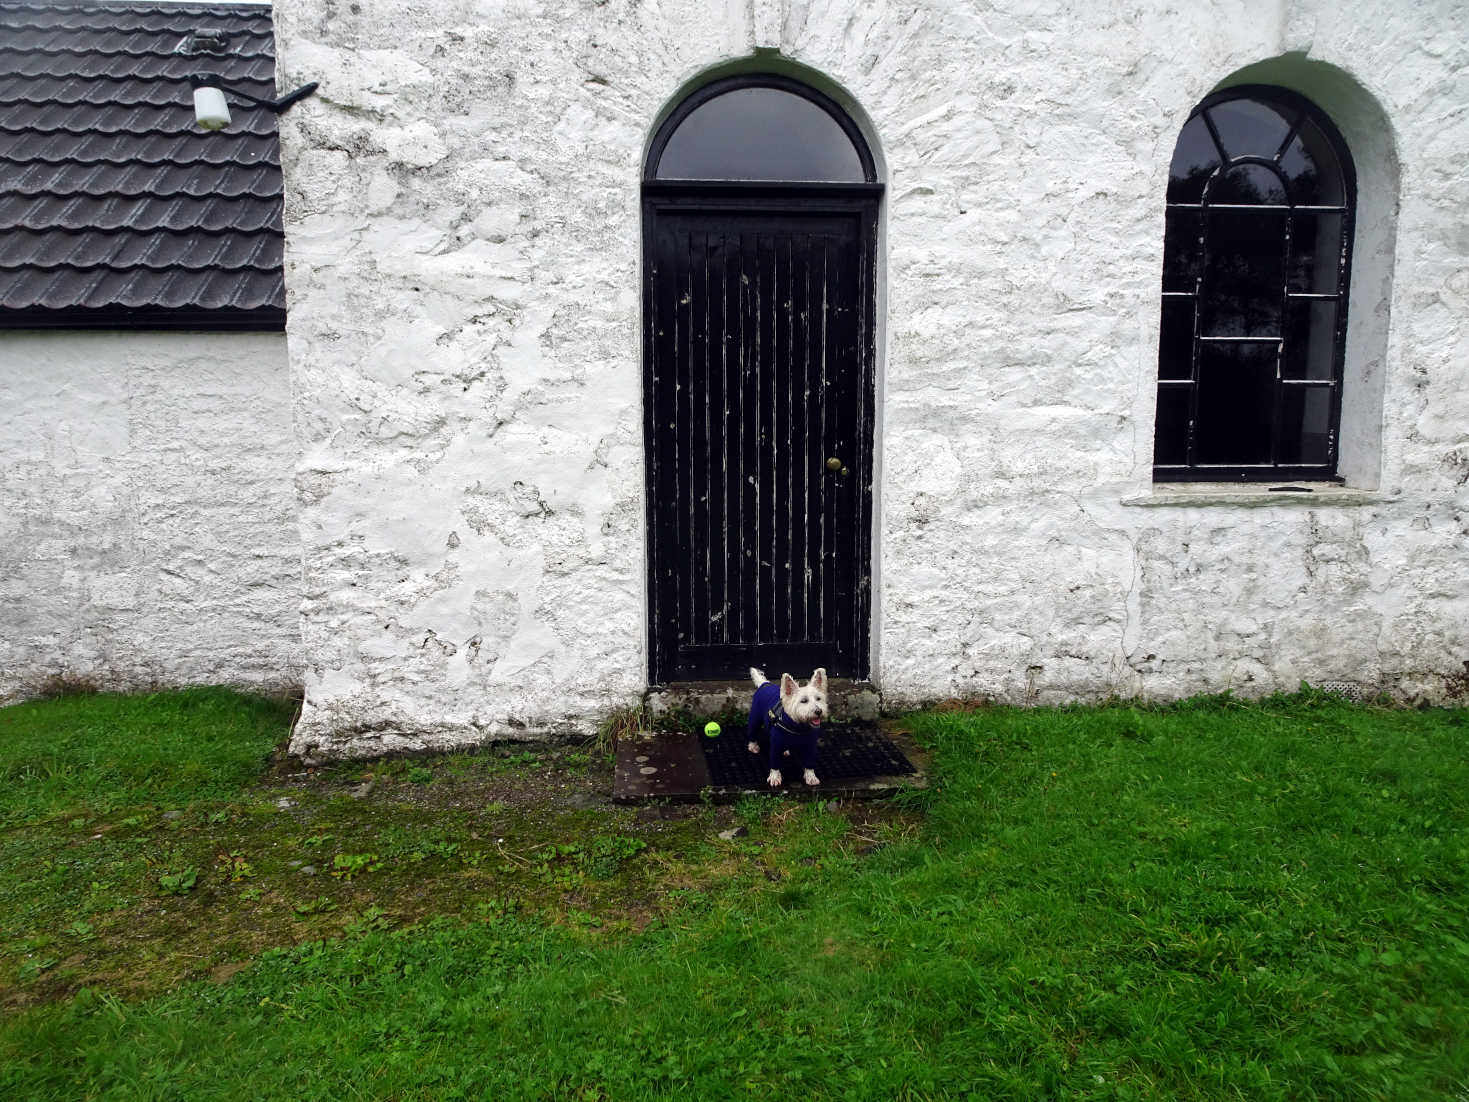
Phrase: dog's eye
[804,699]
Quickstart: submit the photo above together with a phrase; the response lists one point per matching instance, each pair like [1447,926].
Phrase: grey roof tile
[117,118]
[187,250]
[113,204]
[246,214]
[71,89]
[158,178]
[118,66]
[220,148]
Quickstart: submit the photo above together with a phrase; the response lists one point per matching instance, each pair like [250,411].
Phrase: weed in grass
[347,865]
[491,910]
[568,864]
[624,723]
[373,918]
[81,930]
[178,883]
[234,867]
[420,775]
[753,810]
[320,905]
[32,968]
[607,854]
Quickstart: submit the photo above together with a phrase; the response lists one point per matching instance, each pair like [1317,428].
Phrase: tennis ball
[711,728]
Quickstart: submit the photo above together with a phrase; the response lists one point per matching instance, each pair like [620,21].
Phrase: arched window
[760,128]
[1256,259]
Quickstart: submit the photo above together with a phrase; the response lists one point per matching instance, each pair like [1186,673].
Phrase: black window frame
[1296,109]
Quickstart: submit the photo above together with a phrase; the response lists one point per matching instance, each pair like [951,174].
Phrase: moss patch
[136,900]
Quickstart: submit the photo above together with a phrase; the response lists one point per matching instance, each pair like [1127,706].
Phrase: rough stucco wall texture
[463,253]
[148,530]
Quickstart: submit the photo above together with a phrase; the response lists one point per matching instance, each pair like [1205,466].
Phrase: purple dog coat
[768,718]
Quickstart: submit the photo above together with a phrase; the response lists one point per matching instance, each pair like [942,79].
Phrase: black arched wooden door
[759,244]
[759,413]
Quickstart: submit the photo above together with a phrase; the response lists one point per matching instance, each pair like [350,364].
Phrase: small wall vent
[1349,689]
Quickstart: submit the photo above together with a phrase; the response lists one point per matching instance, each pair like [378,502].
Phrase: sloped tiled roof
[116,210]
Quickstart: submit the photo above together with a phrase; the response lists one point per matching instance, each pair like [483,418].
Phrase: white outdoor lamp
[212,111]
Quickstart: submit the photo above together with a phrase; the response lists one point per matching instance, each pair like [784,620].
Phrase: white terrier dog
[790,716]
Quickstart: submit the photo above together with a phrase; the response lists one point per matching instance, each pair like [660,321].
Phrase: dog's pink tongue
[816,722]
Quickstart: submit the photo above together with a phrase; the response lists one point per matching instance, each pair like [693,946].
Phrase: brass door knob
[833,464]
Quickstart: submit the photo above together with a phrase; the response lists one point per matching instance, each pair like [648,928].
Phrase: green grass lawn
[1209,901]
[108,750]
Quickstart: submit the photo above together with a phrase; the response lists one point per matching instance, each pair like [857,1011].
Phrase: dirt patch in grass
[138,900]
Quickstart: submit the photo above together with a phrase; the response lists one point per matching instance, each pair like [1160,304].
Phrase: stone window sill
[1195,494]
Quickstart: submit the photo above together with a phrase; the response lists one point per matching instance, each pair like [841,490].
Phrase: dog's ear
[788,686]
[818,680]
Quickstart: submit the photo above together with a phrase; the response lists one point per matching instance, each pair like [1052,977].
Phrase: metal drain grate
[847,751]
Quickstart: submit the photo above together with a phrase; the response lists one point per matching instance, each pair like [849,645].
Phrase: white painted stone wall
[148,531]
[463,243]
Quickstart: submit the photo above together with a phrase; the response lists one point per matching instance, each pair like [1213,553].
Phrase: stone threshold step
[849,700]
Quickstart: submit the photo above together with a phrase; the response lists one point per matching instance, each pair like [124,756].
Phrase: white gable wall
[148,529]
[463,248]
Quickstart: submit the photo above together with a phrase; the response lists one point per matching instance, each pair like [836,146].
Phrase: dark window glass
[1170,443]
[1176,345]
[1305,424]
[1254,309]
[1236,391]
[1311,166]
[1315,253]
[1244,277]
[1310,339]
[1249,127]
[1247,183]
[1182,253]
[1195,158]
[760,134]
